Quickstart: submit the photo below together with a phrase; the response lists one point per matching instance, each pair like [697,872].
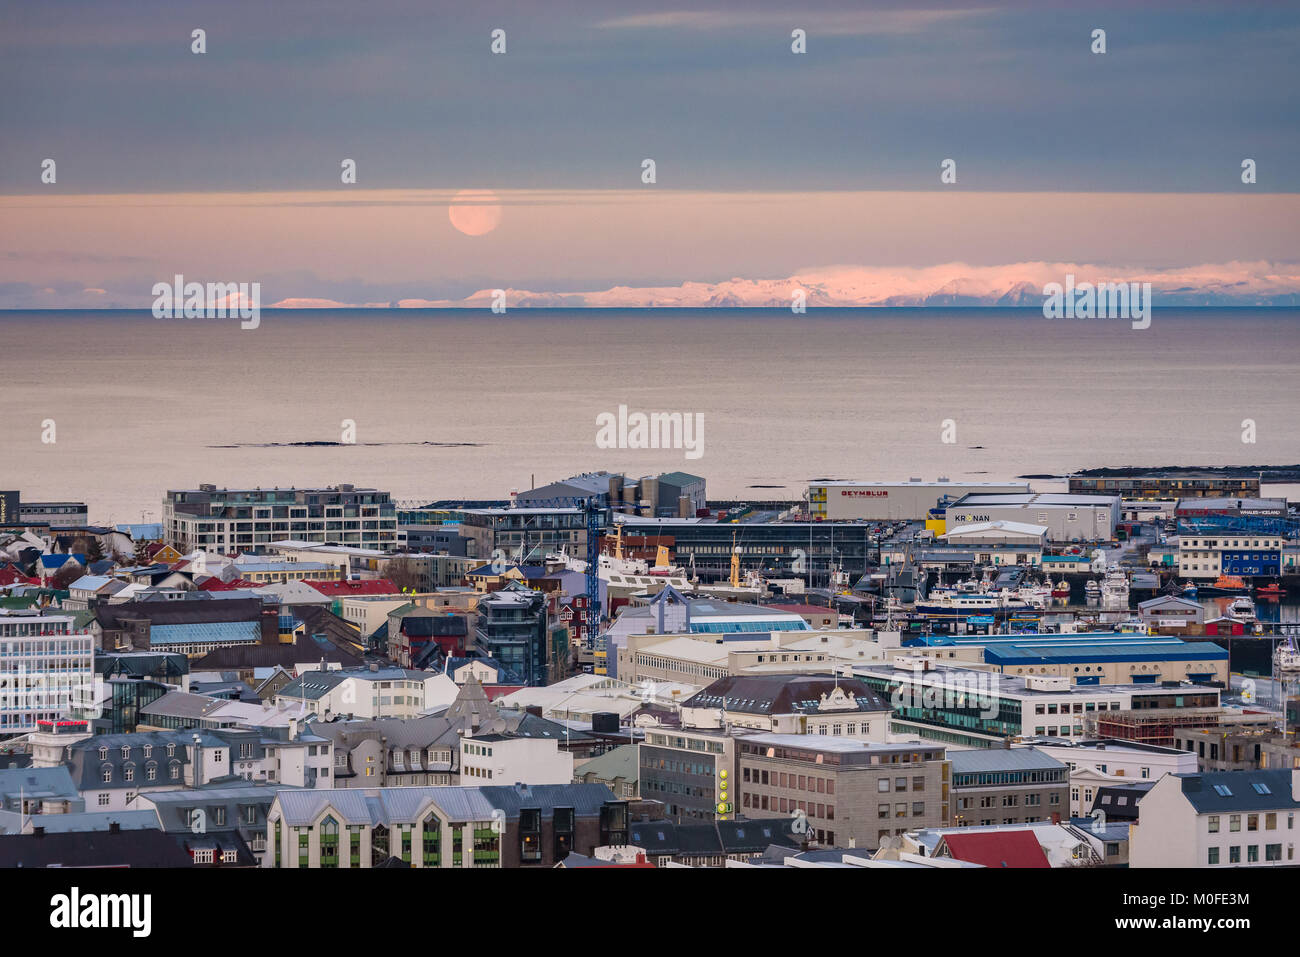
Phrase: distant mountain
[949,285]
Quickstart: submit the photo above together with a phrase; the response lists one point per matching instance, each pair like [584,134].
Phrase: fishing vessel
[1271,590]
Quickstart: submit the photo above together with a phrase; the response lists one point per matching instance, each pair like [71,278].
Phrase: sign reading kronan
[864,493]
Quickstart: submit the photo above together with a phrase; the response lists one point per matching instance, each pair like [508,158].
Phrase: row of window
[1272,852]
[1252,822]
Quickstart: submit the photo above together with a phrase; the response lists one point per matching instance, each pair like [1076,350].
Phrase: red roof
[996,848]
[213,583]
[9,575]
[381,586]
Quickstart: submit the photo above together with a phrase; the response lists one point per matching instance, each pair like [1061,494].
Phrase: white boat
[1114,591]
[1286,661]
[1242,607]
[958,606]
[1036,596]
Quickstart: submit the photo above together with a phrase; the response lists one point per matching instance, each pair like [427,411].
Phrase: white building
[1211,554]
[365,693]
[1069,518]
[1099,762]
[501,759]
[998,533]
[1218,819]
[892,501]
[46,669]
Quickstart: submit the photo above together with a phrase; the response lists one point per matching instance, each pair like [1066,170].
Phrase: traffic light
[724,796]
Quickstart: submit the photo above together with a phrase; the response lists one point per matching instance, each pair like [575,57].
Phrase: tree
[403,573]
[66,575]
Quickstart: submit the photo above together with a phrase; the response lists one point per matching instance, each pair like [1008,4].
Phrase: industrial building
[892,501]
[1095,658]
[1068,518]
[1200,507]
[998,533]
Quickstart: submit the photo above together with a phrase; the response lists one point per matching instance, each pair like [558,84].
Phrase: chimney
[38,832]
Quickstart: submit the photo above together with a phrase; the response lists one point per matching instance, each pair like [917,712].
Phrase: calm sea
[458,403]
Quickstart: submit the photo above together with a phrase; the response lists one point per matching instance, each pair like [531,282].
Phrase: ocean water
[459,403]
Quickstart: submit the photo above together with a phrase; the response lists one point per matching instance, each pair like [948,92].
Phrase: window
[1214,855]
[1234,822]
[329,842]
[1214,824]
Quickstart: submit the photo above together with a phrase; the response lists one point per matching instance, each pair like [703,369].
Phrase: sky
[225,165]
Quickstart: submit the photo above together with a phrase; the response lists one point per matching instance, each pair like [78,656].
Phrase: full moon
[475,211]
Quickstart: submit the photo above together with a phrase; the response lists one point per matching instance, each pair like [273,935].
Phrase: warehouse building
[1068,518]
[892,501]
[999,533]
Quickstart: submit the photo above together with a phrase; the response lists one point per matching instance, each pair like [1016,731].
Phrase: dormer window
[103,754]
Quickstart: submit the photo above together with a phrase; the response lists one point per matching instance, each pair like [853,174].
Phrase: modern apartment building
[1167,485]
[513,626]
[47,669]
[233,520]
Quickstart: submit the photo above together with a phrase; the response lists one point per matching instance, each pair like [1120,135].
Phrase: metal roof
[206,631]
[981,760]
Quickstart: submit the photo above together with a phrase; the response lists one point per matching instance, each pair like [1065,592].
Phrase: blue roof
[1033,653]
[36,782]
[205,631]
[58,561]
[147,531]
